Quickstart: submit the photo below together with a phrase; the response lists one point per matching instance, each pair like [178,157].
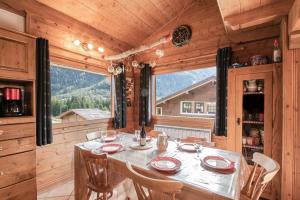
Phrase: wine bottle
[143,135]
[276,52]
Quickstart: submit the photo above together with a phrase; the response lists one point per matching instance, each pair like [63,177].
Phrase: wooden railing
[55,161]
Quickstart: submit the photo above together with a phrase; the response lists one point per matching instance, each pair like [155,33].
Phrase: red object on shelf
[12,93]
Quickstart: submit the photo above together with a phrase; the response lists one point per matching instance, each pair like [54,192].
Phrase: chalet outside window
[186,107]
[199,107]
[78,95]
[185,93]
[211,108]
[159,111]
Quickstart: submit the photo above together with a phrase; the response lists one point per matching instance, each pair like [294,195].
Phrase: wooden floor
[65,191]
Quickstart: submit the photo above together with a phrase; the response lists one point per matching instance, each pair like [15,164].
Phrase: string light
[76,42]
[101,49]
[87,46]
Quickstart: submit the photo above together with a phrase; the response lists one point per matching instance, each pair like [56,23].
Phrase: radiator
[183,132]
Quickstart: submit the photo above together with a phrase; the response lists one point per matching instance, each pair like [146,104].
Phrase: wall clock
[181,35]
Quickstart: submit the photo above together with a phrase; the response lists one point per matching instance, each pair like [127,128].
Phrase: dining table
[199,183]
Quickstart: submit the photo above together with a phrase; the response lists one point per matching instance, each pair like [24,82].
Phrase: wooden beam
[259,15]
[294,17]
[294,26]
[294,40]
[243,36]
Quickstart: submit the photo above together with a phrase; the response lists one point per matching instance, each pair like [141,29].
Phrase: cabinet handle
[238,121]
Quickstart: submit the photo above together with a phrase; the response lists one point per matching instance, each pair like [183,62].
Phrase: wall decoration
[129,91]
[181,35]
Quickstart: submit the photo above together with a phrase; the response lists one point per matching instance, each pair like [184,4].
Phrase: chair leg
[89,194]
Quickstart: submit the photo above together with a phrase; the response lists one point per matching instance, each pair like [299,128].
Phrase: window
[186,93]
[199,107]
[211,108]
[186,107]
[158,110]
[79,95]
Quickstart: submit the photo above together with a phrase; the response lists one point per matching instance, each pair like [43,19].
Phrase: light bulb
[76,42]
[101,49]
[135,64]
[160,53]
[90,46]
[110,69]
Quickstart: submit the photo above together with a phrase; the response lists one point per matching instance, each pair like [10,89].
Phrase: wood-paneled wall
[55,161]
[291,116]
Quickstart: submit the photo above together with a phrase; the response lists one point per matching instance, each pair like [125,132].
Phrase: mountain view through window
[78,95]
[187,93]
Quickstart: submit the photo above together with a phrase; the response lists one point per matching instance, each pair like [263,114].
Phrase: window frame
[195,107]
[181,107]
[67,65]
[159,108]
[210,104]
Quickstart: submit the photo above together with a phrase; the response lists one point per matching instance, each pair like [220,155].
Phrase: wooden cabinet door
[245,121]
[17,55]
[16,168]
[25,190]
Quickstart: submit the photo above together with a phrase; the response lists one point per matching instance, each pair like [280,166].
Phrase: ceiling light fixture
[90,46]
[76,42]
[87,46]
[101,49]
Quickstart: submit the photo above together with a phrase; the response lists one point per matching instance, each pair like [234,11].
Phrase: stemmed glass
[198,148]
[137,135]
[177,142]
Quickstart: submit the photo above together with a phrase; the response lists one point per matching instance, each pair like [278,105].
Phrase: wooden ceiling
[129,21]
[240,14]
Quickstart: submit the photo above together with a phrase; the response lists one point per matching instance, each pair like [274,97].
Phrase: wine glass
[177,142]
[137,135]
[198,148]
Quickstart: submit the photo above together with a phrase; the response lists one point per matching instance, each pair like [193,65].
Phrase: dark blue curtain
[223,62]
[43,94]
[144,102]
[120,100]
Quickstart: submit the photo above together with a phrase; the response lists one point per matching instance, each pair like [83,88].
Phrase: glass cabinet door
[254,114]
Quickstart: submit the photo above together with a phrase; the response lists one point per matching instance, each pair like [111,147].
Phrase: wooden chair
[262,173]
[93,135]
[98,134]
[198,140]
[153,189]
[97,170]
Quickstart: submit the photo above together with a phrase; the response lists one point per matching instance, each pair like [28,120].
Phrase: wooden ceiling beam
[258,15]
[294,26]
[294,17]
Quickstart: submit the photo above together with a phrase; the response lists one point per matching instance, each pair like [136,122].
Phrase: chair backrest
[97,168]
[198,140]
[99,134]
[153,189]
[93,135]
[262,173]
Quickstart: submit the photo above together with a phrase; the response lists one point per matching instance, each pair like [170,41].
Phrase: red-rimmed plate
[111,148]
[189,147]
[166,164]
[218,163]
[110,138]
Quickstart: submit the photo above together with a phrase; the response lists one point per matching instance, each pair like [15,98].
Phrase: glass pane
[253,118]
[78,95]
[190,93]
